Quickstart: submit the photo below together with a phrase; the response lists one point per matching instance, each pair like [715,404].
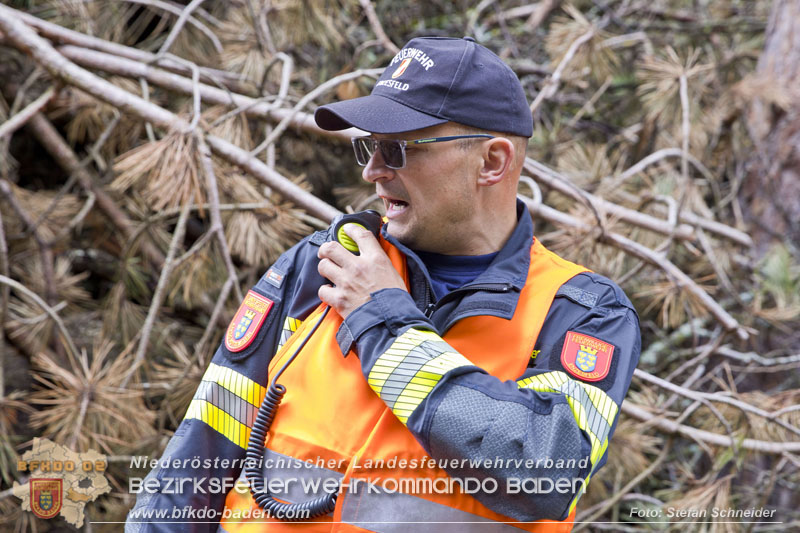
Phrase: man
[465,376]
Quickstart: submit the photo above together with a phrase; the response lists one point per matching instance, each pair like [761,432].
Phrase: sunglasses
[394,151]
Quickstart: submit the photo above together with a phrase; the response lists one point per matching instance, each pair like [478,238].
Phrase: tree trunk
[771,191]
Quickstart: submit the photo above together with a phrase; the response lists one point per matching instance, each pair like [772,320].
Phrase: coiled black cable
[288,512]
[295,512]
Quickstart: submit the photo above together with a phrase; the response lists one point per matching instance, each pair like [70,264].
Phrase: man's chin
[400,232]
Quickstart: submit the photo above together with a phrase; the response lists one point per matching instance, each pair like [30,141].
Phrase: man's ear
[498,161]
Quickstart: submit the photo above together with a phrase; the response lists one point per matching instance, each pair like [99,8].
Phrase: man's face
[431,202]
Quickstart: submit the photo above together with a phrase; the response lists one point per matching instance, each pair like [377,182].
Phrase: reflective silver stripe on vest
[370,507]
[398,512]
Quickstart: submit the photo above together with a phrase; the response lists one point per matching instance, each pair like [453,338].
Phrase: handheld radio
[370,220]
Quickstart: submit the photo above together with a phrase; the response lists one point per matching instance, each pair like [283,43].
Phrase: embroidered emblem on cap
[402,68]
[247,322]
[586,357]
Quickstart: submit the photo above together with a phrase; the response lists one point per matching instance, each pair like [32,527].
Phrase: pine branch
[61,152]
[59,34]
[27,41]
[14,123]
[252,107]
[158,295]
[375,22]
[646,254]
[72,350]
[700,435]
[550,178]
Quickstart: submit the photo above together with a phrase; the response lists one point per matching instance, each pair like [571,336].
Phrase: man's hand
[355,276]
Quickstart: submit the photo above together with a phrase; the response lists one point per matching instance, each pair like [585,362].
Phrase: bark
[771,192]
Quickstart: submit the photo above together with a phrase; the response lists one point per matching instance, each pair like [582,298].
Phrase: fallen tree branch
[45,248]
[375,23]
[543,8]
[60,34]
[309,97]
[252,107]
[27,41]
[642,252]
[184,16]
[556,181]
[713,397]
[583,520]
[5,293]
[701,435]
[71,348]
[752,357]
[689,218]
[158,295]
[15,122]
[552,83]
[216,219]
[61,152]
[182,19]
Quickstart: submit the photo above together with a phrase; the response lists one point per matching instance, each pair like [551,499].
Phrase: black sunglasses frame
[365,147]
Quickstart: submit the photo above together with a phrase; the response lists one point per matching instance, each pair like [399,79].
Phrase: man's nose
[376,169]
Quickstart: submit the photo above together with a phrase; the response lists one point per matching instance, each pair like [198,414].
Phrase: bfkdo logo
[46,497]
[61,482]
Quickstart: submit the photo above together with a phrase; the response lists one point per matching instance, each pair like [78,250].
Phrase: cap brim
[375,114]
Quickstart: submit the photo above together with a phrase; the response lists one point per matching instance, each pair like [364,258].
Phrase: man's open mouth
[394,206]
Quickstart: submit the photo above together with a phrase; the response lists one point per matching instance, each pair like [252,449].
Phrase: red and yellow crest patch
[586,357]
[247,322]
[46,497]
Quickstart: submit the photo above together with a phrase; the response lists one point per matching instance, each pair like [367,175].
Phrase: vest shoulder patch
[247,321]
[578,295]
[586,357]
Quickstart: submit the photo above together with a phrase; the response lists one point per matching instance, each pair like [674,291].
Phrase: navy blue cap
[434,80]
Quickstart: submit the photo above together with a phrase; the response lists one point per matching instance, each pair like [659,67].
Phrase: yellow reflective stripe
[388,362]
[407,372]
[382,369]
[242,386]
[290,325]
[227,401]
[593,409]
[220,421]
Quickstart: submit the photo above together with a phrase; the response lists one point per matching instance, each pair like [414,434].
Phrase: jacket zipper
[489,287]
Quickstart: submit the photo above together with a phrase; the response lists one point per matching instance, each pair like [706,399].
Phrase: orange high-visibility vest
[332,426]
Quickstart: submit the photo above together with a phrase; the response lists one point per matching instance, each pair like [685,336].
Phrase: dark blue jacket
[533,418]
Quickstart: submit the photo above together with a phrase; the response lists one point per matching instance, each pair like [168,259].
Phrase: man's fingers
[335,252]
[326,294]
[328,269]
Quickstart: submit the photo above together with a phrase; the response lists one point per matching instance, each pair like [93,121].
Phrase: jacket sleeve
[540,437]
[190,481]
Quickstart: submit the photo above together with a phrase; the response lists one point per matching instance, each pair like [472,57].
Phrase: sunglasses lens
[364,148]
[392,152]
